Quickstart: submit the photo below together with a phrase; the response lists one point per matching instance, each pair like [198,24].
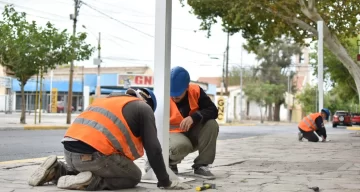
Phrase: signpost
[162,59]
[54,100]
[320,27]
[220,103]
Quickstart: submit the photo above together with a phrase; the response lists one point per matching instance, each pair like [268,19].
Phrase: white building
[250,110]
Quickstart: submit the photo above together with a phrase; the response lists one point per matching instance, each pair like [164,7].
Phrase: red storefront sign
[135,80]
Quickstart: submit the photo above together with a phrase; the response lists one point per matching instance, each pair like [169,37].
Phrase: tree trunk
[261,118]
[277,112]
[23,104]
[247,108]
[270,112]
[332,43]
[266,111]
[340,52]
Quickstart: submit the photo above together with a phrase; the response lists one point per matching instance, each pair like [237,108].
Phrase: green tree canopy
[266,20]
[274,70]
[26,48]
[339,76]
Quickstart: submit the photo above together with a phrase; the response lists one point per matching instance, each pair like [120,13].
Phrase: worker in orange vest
[312,126]
[102,143]
[193,125]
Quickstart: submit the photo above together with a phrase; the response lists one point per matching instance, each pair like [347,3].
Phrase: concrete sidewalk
[277,163]
[59,124]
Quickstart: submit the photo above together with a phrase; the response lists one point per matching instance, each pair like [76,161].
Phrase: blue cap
[179,81]
[150,98]
[327,112]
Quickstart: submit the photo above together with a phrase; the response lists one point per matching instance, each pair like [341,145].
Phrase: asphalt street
[23,144]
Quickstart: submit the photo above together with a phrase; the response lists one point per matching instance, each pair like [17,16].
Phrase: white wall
[4,102]
[233,108]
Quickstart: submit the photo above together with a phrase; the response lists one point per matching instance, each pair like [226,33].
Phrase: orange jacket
[308,122]
[102,126]
[175,115]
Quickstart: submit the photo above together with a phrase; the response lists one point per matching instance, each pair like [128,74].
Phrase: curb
[240,124]
[255,124]
[26,160]
[45,127]
[353,128]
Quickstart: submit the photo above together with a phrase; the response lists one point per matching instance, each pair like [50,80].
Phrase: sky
[127,29]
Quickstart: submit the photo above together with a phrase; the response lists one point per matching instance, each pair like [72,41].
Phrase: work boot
[204,172]
[300,136]
[174,168]
[45,173]
[75,182]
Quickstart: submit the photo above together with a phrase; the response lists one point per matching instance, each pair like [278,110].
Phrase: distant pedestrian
[312,126]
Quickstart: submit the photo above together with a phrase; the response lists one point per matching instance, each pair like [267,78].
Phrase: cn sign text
[135,80]
[221,108]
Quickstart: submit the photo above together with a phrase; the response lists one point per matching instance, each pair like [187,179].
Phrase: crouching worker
[312,126]
[102,143]
[192,124]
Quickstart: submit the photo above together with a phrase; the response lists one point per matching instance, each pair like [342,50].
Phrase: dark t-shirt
[141,120]
[207,109]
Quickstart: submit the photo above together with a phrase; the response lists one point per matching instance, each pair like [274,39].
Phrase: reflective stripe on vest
[106,132]
[312,125]
[103,126]
[175,115]
[308,122]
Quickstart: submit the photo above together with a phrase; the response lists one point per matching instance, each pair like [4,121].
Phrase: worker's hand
[186,123]
[177,185]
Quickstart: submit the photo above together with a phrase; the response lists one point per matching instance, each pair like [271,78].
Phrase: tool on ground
[316,189]
[206,186]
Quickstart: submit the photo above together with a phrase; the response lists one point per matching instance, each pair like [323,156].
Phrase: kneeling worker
[192,124]
[102,143]
[312,126]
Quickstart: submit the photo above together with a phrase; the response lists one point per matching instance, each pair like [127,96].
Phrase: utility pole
[227,64]
[222,84]
[70,92]
[98,63]
[288,97]
[320,54]
[241,83]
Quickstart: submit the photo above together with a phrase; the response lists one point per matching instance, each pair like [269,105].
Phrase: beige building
[301,79]
[62,72]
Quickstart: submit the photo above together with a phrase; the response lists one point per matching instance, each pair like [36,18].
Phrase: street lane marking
[45,127]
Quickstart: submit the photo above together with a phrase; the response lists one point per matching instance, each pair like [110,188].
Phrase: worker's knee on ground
[138,175]
[137,180]
[315,139]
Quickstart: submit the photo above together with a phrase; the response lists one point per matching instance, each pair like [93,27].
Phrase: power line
[7,3]
[116,20]
[106,15]
[142,32]
[130,10]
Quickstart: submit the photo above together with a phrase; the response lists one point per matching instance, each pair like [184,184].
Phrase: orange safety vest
[175,115]
[103,126]
[308,122]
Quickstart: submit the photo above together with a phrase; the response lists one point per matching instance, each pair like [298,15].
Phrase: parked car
[60,107]
[341,118]
[355,118]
